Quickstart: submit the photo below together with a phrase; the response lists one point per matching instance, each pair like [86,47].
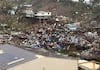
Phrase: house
[42,15]
[11,12]
[28,5]
[28,12]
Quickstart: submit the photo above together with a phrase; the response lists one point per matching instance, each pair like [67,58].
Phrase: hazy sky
[78,0]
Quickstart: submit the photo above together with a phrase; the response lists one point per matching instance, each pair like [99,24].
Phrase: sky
[85,0]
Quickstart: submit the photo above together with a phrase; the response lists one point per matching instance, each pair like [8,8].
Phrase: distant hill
[67,8]
[63,7]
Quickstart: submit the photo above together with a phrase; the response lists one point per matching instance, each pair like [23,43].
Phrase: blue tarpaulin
[71,26]
[34,46]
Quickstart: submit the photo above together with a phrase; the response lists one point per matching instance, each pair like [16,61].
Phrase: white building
[28,5]
[11,12]
[28,12]
[42,14]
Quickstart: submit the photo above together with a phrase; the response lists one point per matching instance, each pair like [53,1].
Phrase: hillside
[74,10]
[61,8]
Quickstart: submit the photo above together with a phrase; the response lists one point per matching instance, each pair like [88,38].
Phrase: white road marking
[15,61]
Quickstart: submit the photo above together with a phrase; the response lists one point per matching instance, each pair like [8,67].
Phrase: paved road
[13,56]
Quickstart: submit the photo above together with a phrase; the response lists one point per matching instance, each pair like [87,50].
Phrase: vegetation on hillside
[78,11]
